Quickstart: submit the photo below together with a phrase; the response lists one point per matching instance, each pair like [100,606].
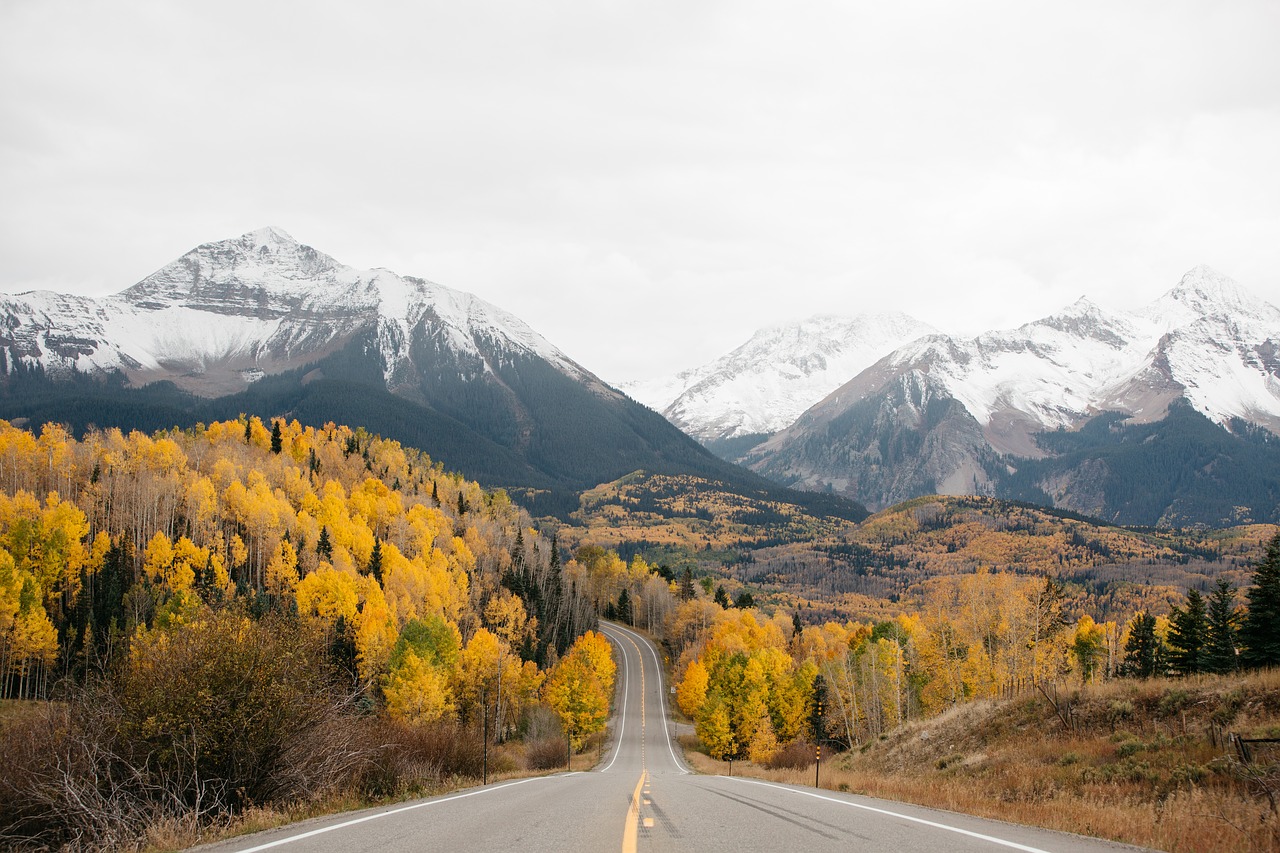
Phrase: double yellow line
[632,827]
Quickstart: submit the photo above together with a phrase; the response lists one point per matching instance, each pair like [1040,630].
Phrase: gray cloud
[646,183]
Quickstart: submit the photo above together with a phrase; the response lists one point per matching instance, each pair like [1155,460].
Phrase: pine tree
[744,600]
[686,584]
[722,597]
[324,546]
[375,561]
[1142,652]
[1260,630]
[1221,642]
[1188,632]
[435,493]
[277,440]
[818,710]
[623,610]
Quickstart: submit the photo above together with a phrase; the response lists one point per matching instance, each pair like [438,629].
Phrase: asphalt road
[641,796]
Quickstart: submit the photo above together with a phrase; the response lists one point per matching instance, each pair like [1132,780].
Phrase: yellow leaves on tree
[716,731]
[692,692]
[417,692]
[423,664]
[375,631]
[580,686]
[328,595]
[282,572]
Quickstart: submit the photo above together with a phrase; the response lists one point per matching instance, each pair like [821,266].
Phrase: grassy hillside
[1150,763]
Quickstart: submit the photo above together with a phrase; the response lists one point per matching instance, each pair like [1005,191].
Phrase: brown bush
[545,754]
[202,722]
[796,755]
[408,758]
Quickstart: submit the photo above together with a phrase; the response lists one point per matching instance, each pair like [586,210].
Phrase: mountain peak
[268,236]
[1207,291]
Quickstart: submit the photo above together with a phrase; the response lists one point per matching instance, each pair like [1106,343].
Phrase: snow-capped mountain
[954,415]
[263,325]
[764,385]
[230,312]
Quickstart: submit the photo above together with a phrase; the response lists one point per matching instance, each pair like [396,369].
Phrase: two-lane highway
[643,797]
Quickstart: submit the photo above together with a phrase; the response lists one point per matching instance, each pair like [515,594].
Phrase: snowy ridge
[1207,340]
[764,385]
[258,302]
[958,415]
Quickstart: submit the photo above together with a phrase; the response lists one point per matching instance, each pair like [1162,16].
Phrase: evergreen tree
[1142,651]
[435,493]
[324,546]
[277,440]
[722,597]
[1188,632]
[1260,630]
[796,627]
[623,610]
[1220,653]
[375,561]
[462,505]
[744,600]
[818,710]
[686,584]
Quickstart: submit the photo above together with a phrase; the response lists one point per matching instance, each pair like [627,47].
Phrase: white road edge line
[662,705]
[934,824]
[322,830]
[626,688]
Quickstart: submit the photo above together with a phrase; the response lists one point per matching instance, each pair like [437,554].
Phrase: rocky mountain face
[227,313]
[978,415]
[261,324]
[765,384]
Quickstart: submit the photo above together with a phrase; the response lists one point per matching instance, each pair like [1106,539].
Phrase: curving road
[643,797]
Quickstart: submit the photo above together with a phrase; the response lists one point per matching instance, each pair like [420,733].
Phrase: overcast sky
[647,183]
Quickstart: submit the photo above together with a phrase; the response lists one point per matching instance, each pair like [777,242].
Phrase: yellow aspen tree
[764,743]
[158,557]
[575,693]
[327,594]
[715,730]
[691,694]
[416,691]
[375,632]
[282,572]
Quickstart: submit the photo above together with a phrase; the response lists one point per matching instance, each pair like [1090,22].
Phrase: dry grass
[1146,763]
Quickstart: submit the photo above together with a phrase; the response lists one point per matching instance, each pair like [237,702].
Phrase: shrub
[1121,709]
[1226,711]
[1173,701]
[237,710]
[1129,747]
[409,757]
[796,755]
[201,721]
[545,754]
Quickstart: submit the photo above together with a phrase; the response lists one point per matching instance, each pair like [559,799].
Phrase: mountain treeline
[543,436]
[1182,470]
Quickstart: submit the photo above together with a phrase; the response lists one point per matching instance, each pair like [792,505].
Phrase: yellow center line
[632,826]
